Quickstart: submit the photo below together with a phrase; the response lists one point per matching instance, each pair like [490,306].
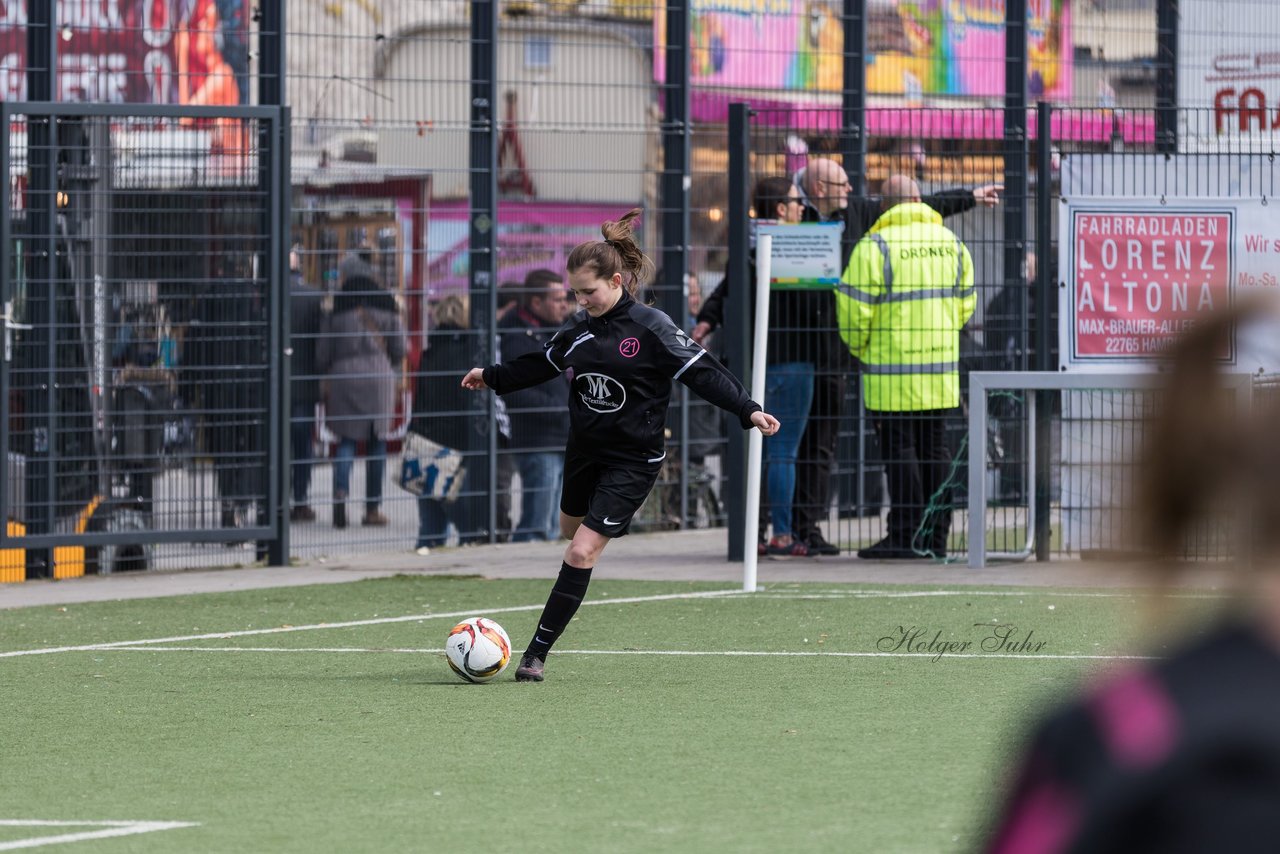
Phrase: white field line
[670,652]
[108,830]
[730,593]
[452,615]
[1048,592]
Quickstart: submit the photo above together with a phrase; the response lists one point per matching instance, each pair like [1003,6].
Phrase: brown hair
[453,310]
[770,192]
[1211,468]
[617,253]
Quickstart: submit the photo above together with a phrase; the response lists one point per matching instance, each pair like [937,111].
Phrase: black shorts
[606,495]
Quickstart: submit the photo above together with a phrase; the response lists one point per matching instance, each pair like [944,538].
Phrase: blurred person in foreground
[1180,754]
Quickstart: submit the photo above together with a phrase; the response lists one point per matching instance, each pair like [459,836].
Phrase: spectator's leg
[433,524]
[788,397]
[902,466]
[935,465]
[816,457]
[300,429]
[343,458]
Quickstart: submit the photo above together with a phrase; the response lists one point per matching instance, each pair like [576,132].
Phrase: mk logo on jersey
[600,393]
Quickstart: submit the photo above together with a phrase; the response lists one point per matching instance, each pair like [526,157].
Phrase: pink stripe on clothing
[1041,822]
[1136,718]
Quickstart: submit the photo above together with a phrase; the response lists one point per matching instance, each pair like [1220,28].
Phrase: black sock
[567,594]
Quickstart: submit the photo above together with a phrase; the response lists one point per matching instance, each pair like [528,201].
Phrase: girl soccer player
[624,356]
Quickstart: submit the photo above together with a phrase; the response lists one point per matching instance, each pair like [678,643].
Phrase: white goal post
[981,383]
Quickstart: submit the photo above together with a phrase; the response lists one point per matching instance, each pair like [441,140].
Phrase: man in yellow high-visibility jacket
[906,294]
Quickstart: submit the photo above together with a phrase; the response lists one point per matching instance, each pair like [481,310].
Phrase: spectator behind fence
[539,418]
[227,362]
[444,412]
[707,428]
[1181,754]
[360,353]
[909,347]
[794,316]
[825,189]
[305,316]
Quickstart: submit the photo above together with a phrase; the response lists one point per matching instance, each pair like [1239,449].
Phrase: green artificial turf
[359,738]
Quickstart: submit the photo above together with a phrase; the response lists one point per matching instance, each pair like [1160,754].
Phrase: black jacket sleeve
[515,345]
[531,368]
[951,202]
[700,371]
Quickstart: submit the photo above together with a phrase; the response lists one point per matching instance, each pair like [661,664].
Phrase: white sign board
[1229,67]
[805,255]
[1138,272]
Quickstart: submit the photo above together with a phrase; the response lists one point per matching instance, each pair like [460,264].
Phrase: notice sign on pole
[805,256]
[1138,275]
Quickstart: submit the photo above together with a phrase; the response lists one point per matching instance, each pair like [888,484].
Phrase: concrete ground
[679,555]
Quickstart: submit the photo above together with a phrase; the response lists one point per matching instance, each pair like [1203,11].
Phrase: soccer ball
[478,649]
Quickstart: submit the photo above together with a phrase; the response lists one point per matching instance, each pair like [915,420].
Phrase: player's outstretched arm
[765,423]
[474,380]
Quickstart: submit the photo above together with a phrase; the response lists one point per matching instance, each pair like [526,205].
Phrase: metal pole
[1167,76]
[1045,294]
[274,149]
[736,327]
[483,238]
[853,100]
[755,441]
[42,214]
[675,202]
[1016,161]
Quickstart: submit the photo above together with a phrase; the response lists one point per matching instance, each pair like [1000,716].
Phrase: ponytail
[618,252]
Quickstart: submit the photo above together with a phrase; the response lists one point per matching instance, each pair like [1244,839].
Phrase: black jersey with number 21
[623,364]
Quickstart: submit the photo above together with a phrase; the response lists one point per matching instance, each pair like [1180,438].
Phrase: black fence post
[674,204]
[737,324]
[274,148]
[42,212]
[853,100]
[1045,294]
[483,234]
[1016,161]
[1167,76]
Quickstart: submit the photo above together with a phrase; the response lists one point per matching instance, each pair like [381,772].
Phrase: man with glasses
[539,415]
[827,194]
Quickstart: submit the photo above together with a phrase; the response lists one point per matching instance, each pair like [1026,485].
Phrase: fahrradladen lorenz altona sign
[1137,273]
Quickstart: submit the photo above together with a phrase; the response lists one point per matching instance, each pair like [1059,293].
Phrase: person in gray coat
[360,355]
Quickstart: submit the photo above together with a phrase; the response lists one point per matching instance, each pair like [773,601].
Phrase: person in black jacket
[624,356]
[539,421]
[444,413]
[306,313]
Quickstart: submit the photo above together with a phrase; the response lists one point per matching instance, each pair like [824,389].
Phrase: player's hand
[988,194]
[474,380]
[765,423]
[700,332]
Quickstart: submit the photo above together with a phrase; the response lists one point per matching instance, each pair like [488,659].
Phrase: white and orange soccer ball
[478,649]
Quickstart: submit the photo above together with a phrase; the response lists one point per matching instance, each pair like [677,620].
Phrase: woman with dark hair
[360,352]
[790,377]
[624,357]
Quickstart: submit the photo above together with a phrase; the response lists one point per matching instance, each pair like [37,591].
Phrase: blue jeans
[541,476]
[788,395]
[300,424]
[433,523]
[374,464]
